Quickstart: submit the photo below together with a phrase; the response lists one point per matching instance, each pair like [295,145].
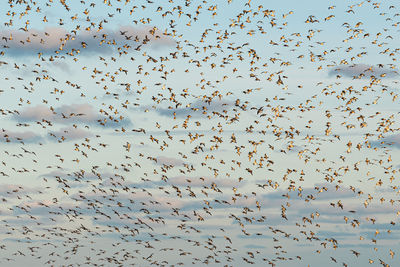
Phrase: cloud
[38,112]
[374,210]
[107,179]
[389,141]
[155,204]
[11,189]
[49,40]
[26,136]
[66,114]
[77,176]
[329,234]
[253,237]
[252,246]
[381,226]
[169,161]
[197,109]
[70,133]
[383,235]
[364,70]
[42,208]
[203,181]
[321,191]
[61,65]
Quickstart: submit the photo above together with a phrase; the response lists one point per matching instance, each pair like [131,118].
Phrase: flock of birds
[222,133]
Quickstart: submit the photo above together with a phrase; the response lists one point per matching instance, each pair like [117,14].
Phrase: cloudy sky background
[68,117]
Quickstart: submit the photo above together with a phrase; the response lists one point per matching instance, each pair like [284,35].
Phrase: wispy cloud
[14,189]
[106,41]
[322,191]
[197,109]
[25,136]
[161,160]
[67,114]
[392,141]
[363,71]
[70,133]
[203,181]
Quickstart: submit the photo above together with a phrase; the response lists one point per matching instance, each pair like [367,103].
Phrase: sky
[227,133]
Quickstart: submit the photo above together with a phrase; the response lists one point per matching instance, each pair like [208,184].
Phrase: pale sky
[227,133]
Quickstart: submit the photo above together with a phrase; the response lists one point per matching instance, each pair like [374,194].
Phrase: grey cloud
[41,209]
[366,71]
[38,112]
[61,65]
[70,133]
[11,189]
[161,160]
[79,179]
[328,192]
[53,39]
[134,185]
[254,237]
[197,109]
[203,181]
[63,114]
[254,246]
[329,234]
[383,235]
[75,176]
[25,136]
[67,114]
[381,226]
[24,239]
[386,209]
[358,246]
[389,141]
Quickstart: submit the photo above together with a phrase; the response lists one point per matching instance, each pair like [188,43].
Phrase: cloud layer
[363,71]
[67,114]
[197,109]
[25,136]
[49,40]
[70,133]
